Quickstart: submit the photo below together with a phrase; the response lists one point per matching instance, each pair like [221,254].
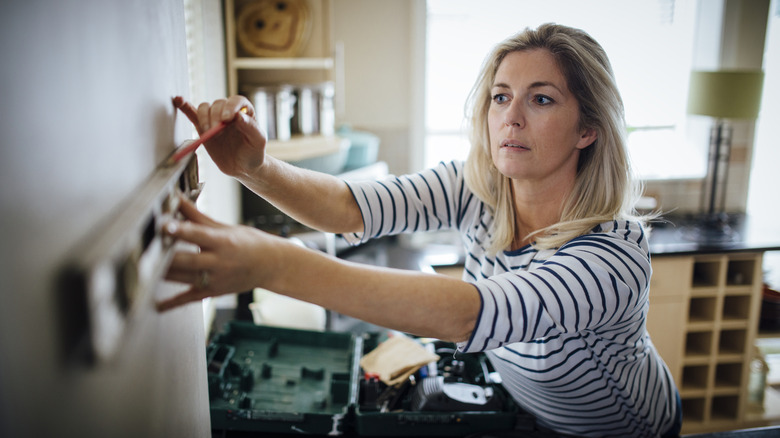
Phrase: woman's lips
[513,144]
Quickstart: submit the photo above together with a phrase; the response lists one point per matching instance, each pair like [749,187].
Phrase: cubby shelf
[716,298]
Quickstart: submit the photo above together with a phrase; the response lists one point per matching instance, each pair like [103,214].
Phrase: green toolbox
[277,381]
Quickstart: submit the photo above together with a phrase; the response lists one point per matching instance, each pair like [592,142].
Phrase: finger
[249,129]
[184,276]
[187,109]
[193,294]
[215,112]
[201,235]
[192,262]
[235,105]
[191,212]
[203,116]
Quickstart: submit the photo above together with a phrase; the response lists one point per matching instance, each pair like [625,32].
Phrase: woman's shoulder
[618,233]
[453,167]
[624,227]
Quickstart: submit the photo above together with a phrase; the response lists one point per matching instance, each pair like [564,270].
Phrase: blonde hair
[604,188]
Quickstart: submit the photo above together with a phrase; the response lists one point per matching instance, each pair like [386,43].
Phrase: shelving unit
[707,341]
[315,64]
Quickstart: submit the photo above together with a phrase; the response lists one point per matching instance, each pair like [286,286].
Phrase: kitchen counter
[669,236]
[681,235]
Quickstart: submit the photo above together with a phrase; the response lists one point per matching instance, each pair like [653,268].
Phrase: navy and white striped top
[565,328]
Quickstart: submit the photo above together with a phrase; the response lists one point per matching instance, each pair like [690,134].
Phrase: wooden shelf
[304,147]
[283,63]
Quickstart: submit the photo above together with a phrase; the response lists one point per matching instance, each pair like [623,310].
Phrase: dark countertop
[669,236]
[682,235]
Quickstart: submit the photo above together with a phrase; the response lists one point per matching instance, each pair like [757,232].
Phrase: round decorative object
[274,28]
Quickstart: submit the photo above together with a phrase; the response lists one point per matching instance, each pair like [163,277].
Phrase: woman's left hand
[231,258]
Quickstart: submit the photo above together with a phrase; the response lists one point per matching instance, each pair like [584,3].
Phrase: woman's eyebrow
[537,84]
[540,84]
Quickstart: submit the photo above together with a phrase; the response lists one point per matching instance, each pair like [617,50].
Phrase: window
[650,45]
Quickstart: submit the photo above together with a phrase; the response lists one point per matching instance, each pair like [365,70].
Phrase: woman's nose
[514,115]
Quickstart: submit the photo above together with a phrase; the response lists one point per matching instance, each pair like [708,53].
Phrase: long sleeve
[596,282]
[430,200]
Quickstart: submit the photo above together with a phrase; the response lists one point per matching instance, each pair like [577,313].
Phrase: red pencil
[206,136]
[185,150]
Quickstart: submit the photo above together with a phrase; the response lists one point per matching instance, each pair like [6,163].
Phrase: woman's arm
[239,258]
[318,200]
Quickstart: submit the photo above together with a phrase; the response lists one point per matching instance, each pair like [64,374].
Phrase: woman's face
[533,120]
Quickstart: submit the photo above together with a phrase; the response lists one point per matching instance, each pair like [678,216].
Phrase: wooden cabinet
[703,320]
[668,309]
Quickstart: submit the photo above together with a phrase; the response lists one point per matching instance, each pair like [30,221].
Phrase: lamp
[722,95]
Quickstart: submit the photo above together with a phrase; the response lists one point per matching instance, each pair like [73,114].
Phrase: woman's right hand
[239,150]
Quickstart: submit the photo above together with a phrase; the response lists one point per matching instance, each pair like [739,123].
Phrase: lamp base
[712,229]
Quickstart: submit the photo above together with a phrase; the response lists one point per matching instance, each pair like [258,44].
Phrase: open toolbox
[287,381]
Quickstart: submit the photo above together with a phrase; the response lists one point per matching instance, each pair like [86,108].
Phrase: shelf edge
[284,63]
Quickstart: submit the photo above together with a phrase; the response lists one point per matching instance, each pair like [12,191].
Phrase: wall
[762,196]
[379,57]
[86,88]
[206,59]
[383,70]
[737,42]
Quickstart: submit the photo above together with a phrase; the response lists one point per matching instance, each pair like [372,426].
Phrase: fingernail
[172,227]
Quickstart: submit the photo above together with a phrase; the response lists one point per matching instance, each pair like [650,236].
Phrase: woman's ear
[588,137]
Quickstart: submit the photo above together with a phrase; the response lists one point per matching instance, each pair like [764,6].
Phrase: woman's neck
[536,209]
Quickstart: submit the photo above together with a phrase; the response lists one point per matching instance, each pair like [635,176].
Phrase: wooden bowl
[274,28]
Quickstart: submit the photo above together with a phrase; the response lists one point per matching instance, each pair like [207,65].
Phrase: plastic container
[363,150]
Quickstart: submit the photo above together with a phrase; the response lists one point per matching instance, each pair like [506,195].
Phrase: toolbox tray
[269,379]
[440,423]
[289,381]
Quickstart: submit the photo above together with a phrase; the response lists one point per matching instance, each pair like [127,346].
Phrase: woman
[555,285]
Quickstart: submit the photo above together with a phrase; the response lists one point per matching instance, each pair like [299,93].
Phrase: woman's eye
[542,100]
[500,98]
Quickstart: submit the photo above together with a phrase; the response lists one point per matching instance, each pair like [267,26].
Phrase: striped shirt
[565,328]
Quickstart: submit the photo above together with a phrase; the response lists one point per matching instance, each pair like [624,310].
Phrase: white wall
[86,88]
[377,36]
[763,200]
[731,36]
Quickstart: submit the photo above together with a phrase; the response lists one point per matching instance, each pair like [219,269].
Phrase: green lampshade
[725,94]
